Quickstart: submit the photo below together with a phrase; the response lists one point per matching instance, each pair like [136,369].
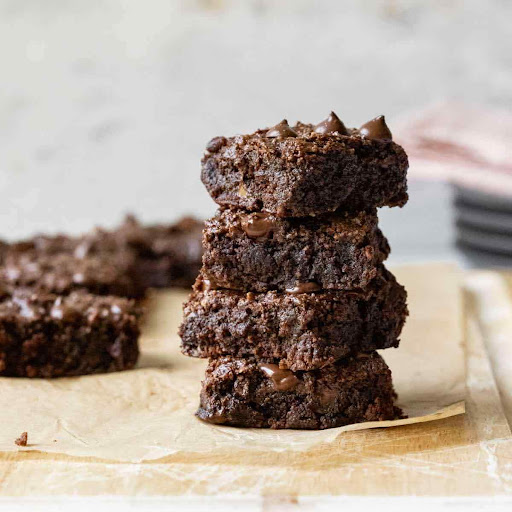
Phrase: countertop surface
[442,462]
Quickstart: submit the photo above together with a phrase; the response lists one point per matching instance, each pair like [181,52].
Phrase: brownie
[44,244]
[167,254]
[302,331]
[47,335]
[299,172]
[129,259]
[62,273]
[261,252]
[247,393]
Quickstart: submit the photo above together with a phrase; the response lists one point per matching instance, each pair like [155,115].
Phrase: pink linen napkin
[469,146]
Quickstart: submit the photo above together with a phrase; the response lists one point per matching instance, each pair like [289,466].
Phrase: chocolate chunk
[215,144]
[257,225]
[281,130]
[304,288]
[376,129]
[332,124]
[283,380]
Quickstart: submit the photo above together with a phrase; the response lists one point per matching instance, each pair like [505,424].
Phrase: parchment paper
[148,413]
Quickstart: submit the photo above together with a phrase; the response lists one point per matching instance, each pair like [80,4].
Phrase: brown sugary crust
[297,331]
[337,251]
[306,175]
[45,335]
[237,392]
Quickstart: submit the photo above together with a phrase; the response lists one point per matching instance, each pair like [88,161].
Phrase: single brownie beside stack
[70,305]
[48,335]
[293,299]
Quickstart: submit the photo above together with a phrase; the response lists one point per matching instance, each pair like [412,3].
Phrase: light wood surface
[460,456]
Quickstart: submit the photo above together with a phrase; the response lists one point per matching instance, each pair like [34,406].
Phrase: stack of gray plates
[484,222]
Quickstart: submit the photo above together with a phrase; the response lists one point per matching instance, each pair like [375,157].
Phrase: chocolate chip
[281,130]
[332,124]
[283,380]
[258,225]
[376,129]
[215,144]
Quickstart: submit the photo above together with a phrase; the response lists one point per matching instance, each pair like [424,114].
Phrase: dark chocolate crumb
[22,440]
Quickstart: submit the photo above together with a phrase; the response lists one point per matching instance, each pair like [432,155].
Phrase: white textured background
[106,105]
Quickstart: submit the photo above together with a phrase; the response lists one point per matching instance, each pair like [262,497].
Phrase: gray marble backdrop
[106,105]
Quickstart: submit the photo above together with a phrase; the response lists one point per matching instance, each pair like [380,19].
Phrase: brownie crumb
[22,440]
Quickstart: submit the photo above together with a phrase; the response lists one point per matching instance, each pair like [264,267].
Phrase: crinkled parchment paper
[148,413]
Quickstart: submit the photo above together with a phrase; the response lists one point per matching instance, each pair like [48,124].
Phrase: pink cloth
[469,146]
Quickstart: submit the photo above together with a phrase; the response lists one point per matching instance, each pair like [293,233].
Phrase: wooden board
[459,456]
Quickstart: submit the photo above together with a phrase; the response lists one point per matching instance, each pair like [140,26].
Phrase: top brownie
[307,170]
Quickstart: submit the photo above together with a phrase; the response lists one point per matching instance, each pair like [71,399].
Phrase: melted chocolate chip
[215,144]
[283,380]
[332,124]
[304,288]
[258,225]
[281,130]
[376,129]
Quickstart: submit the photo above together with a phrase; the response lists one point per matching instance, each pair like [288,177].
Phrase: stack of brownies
[293,300]
[70,305]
